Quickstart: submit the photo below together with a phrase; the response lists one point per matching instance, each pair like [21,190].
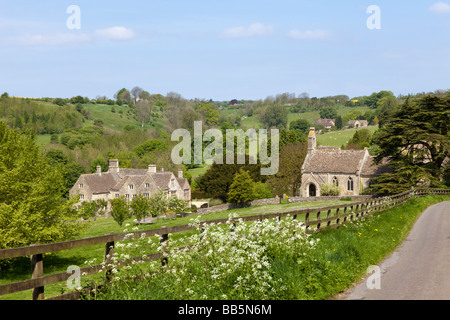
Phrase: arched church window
[350,184]
[335,182]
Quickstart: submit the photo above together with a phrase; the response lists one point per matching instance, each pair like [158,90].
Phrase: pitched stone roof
[183,182]
[325,122]
[334,161]
[100,183]
[372,169]
[107,181]
[162,179]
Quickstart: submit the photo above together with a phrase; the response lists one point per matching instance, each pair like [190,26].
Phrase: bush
[262,190]
[329,190]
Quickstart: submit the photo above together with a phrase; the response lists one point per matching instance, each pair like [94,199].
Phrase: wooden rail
[316,220]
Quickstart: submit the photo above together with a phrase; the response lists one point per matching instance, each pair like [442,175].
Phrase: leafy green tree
[31,189]
[149,146]
[176,205]
[289,176]
[339,123]
[140,207]
[210,112]
[217,180]
[88,209]
[158,204]
[300,124]
[99,161]
[274,115]
[242,188]
[372,100]
[77,100]
[360,140]
[120,210]
[124,95]
[328,113]
[262,190]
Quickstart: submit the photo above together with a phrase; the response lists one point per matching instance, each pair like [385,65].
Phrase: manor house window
[131,186]
[81,186]
[147,185]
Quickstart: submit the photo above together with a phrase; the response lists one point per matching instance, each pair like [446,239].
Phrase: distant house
[350,170]
[118,182]
[327,123]
[357,124]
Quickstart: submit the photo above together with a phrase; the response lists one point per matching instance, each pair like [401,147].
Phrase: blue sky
[221,50]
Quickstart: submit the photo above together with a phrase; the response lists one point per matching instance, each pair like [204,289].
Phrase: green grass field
[113,120]
[253,121]
[339,138]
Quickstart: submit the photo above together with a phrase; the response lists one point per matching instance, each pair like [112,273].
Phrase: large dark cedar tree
[416,142]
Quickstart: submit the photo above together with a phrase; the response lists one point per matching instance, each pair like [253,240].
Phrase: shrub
[329,190]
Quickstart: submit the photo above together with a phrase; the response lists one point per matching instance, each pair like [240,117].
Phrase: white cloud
[255,29]
[440,7]
[58,39]
[115,33]
[69,38]
[309,34]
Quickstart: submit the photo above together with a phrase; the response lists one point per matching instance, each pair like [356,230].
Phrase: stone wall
[276,200]
[329,198]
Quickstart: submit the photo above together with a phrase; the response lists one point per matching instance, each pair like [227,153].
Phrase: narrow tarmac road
[420,268]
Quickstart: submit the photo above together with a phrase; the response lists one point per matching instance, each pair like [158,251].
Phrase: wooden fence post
[163,242]
[307,221]
[328,217]
[109,252]
[37,271]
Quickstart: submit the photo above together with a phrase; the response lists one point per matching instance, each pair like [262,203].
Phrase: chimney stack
[113,165]
[312,139]
[162,169]
[99,170]
[152,168]
[180,174]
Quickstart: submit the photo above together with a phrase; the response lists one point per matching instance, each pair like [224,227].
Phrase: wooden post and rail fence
[315,220]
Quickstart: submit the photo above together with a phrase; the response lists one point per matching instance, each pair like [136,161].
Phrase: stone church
[350,170]
[118,182]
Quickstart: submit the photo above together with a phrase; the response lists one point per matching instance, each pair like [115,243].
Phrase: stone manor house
[118,182]
[350,170]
